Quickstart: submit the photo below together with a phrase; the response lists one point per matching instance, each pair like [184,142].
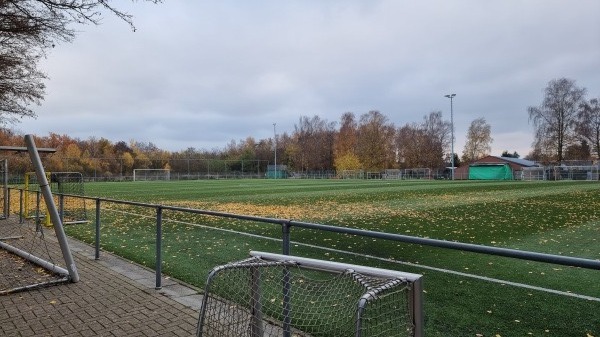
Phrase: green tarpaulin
[490,172]
[279,174]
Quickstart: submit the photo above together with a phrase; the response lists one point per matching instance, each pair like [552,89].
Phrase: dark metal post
[285,228]
[5,188]
[158,247]
[97,239]
[20,206]
[256,325]
[287,306]
[37,211]
[8,204]
[416,303]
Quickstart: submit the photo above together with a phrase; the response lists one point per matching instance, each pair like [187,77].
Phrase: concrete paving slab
[113,298]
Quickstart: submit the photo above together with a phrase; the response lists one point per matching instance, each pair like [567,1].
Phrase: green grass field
[549,217]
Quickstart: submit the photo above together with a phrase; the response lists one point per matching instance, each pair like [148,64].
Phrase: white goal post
[151,174]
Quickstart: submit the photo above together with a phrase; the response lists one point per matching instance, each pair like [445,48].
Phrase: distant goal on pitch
[151,174]
[278,295]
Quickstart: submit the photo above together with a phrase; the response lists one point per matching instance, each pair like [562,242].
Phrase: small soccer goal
[417,173]
[23,244]
[533,173]
[151,174]
[73,210]
[351,174]
[278,295]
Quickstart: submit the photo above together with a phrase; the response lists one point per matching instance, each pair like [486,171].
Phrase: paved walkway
[113,298]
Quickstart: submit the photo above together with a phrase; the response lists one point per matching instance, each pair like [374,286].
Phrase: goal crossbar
[331,266]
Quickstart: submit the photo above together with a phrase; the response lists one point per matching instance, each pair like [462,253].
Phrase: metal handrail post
[37,211]
[285,228]
[20,206]
[97,235]
[158,247]
[285,236]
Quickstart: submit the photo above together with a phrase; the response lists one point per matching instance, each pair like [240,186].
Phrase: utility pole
[275,147]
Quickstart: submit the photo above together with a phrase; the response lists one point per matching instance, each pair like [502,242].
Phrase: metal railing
[287,225]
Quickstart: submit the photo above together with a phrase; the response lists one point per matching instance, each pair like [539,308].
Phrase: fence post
[20,206]
[97,239]
[256,326]
[37,211]
[158,247]
[7,203]
[285,228]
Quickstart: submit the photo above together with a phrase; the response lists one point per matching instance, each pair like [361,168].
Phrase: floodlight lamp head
[450,96]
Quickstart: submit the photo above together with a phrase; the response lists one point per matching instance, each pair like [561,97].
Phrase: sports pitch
[467,294]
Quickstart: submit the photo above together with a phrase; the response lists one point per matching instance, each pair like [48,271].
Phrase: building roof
[518,161]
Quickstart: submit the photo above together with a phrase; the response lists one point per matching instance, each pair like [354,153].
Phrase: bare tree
[424,145]
[588,125]
[479,140]
[439,130]
[21,84]
[27,29]
[578,151]
[438,139]
[314,144]
[555,119]
[507,154]
[410,143]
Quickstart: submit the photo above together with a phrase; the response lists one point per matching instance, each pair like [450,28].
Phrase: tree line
[367,142]
[567,127]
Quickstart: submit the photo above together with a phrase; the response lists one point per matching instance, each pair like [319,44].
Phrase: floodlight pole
[275,147]
[451,96]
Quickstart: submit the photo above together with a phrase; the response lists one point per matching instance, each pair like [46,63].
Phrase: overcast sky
[201,73]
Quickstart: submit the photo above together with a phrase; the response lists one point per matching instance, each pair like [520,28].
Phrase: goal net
[533,173]
[69,185]
[27,259]
[278,295]
[417,173]
[351,174]
[66,186]
[575,172]
[30,255]
[151,174]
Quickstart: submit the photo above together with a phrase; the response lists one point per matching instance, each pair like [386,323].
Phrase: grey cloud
[204,73]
